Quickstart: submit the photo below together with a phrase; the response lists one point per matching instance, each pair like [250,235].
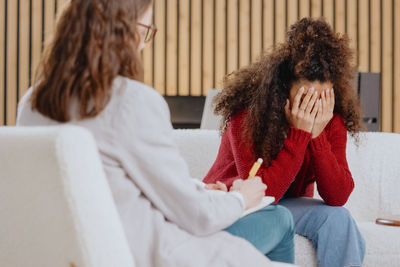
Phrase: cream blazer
[169,219]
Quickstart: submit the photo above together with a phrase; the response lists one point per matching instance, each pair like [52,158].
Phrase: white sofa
[375,165]
[56,209]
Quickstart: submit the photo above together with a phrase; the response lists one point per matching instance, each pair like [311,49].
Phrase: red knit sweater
[301,162]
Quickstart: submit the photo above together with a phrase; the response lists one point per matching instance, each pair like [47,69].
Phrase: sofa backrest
[210,121]
[199,148]
[56,208]
[374,163]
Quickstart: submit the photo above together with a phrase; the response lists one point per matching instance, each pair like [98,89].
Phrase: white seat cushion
[383,244]
[304,252]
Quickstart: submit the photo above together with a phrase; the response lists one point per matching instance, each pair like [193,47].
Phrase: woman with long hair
[294,108]
[90,76]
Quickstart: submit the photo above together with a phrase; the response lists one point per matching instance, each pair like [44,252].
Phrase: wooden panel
[280,26]
[184,29]
[304,8]
[11,76]
[293,11]
[61,5]
[387,67]
[352,27]
[375,60]
[23,47]
[396,72]
[195,64]
[172,49]
[340,16]
[49,17]
[244,33]
[316,8]
[220,43]
[159,46]
[269,23]
[36,41]
[147,59]
[2,59]
[363,37]
[256,29]
[208,44]
[327,12]
[232,32]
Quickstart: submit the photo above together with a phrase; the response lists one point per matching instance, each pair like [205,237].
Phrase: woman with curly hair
[293,108]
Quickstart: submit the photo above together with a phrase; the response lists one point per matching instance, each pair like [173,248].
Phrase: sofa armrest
[375,166]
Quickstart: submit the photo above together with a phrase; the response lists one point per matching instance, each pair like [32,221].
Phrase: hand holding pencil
[252,189]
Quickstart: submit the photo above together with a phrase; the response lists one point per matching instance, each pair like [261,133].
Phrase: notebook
[264,202]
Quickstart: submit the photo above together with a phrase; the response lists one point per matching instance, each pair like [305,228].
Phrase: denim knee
[285,218]
[338,216]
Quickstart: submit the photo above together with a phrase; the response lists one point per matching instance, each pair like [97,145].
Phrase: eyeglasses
[150,33]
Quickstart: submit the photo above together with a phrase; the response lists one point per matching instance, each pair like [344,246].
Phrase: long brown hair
[94,41]
[312,52]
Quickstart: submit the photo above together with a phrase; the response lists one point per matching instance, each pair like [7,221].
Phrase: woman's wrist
[239,196]
[298,135]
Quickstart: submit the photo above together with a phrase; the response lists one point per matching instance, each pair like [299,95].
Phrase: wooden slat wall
[2,61]
[208,45]
[199,41]
[11,60]
[171,47]
[396,71]
[25,25]
[232,48]
[183,50]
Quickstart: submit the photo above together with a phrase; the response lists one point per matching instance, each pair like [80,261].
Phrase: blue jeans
[270,230]
[332,230]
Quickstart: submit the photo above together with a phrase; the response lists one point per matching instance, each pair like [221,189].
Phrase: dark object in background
[186,111]
[368,86]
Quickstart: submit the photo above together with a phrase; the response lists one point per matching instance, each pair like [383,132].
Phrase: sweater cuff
[239,196]
[299,136]
[320,143]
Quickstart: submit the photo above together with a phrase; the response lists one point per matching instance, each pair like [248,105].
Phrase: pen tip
[260,160]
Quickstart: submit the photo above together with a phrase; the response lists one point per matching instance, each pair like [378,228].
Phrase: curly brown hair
[312,52]
[94,42]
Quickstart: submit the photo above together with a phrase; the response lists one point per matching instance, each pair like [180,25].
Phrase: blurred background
[199,41]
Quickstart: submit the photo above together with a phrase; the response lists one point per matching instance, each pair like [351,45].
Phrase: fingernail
[316,93]
[302,89]
[323,94]
[327,90]
[312,89]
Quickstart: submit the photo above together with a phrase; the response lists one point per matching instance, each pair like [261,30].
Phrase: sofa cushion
[383,244]
[304,252]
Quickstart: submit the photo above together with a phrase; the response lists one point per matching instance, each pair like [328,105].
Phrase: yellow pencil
[255,168]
